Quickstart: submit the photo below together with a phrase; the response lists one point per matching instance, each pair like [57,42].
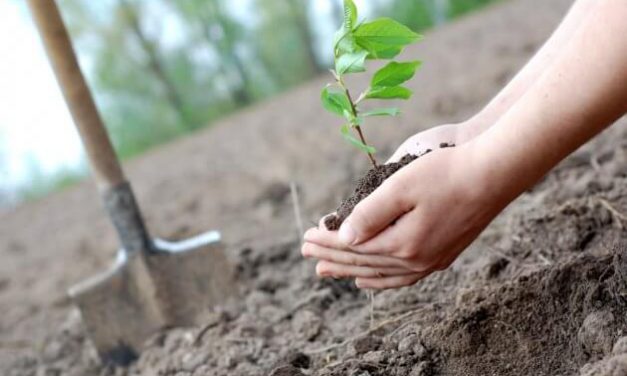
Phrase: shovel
[153,284]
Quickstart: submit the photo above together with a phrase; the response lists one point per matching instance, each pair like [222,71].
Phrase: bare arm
[538,64]
[405,230]
[583,92]
[467,130]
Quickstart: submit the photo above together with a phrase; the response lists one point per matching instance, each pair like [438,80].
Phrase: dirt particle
[620,347]
[307,324]
[596,333]
[287,370]
[614,366]
[298,359]
[366,344]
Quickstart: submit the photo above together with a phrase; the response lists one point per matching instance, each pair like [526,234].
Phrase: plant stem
[373,161]
[361,136]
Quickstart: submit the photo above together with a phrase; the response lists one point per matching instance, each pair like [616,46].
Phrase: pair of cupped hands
[418,221]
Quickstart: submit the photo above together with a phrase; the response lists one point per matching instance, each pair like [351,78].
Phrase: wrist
[472,128]
[494,172]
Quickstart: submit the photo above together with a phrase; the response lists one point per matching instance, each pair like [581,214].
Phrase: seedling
[354,43]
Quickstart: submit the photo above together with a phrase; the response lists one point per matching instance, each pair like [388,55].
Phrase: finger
[390,282]
[377,211]
[324,238]
[312,250]
[331,269]
[385,243]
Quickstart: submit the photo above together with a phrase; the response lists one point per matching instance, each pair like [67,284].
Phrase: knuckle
[421,266]
[405,253]
[355,260]
[322,269]
[398,194]
[360,218]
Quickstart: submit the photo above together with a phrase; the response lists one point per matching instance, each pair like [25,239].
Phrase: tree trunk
[230,59]
[298,9]
[155,64]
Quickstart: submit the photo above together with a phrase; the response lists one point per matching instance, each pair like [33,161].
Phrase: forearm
[584,91]
[530,73]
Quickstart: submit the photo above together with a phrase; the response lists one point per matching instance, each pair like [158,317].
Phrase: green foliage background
[224,55]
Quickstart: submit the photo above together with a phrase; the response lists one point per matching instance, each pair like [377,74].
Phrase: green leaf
[348,115]
[386,32]
[351,63]
[394,92]
[350,15]
[394,74]
[335,100]
[343,42]
[377,51]
[355,142]
[382,112]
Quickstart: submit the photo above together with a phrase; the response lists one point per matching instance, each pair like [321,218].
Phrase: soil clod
[367,184]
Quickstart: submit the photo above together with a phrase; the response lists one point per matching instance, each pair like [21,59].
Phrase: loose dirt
[543,291]
[368,184]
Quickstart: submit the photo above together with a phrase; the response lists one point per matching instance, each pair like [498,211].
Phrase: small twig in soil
[198,340]
[620,217]
[369,331]
[544,259]
[297,212]
[370,294]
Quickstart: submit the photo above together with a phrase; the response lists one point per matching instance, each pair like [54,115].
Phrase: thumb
[376,212]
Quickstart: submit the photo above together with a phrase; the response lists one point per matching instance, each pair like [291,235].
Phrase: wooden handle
[102,158]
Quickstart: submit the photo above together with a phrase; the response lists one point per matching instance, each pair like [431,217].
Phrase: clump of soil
[367,184]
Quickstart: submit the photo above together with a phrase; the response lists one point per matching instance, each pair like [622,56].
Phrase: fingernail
[347,234]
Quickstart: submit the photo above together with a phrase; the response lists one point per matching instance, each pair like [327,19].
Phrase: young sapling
[355,43]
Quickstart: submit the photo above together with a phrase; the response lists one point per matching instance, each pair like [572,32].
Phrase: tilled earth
[542,292]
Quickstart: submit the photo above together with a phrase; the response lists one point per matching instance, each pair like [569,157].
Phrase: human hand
[418,221]
[430,139]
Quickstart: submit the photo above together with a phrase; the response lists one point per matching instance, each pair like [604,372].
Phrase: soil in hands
[368,183]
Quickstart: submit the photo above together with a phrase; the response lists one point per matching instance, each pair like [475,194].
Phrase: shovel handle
[117,194]
[102,158]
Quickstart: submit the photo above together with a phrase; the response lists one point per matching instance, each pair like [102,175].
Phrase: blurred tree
[300,18]
[459,7]
[338,12]
[129,15]
[416,14]
[134,76]
[223,35]
[280,40]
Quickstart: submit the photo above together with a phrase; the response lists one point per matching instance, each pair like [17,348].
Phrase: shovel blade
[147,292]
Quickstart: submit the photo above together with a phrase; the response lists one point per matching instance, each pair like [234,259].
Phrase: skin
[420,219]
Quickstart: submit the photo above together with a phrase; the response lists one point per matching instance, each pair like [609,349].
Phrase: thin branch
[297,214]
[356,126]
[620,217]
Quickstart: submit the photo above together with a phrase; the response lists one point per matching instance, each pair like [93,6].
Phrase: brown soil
[541,292]
[367,184]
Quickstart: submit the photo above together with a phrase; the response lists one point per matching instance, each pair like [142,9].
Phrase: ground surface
[542,292]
